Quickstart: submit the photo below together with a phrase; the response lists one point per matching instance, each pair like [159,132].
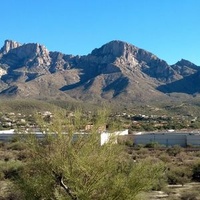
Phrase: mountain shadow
[84,78]
[72,86]
[12,90]
[117,86]
[189,85]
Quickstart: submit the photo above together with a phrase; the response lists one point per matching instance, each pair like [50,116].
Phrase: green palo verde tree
[76,167]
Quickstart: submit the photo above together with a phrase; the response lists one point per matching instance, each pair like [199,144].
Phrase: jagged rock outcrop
[27,55]
[8,45]
[60,61]
[117,70]
[25,62]
[187,63]
[185,68]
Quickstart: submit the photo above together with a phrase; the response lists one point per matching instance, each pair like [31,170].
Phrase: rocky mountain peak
[31,50]
[185,67]
[8,45]
[187,63]
[130,53]
[115,48]
[30,55]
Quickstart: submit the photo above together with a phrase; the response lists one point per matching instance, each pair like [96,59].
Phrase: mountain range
[117,71]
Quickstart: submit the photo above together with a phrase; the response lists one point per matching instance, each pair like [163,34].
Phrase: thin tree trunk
[59,178]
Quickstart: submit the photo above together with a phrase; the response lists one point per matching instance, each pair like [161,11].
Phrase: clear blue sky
[168,28]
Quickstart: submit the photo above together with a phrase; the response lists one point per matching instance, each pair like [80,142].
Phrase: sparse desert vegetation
[180,166]
[179,179]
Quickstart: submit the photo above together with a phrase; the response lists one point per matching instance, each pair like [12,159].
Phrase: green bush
[18,145]
[178,175]
[152,145]
[175,150]
[196,171]
[10,169]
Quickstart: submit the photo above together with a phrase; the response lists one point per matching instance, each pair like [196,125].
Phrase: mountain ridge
[116,71]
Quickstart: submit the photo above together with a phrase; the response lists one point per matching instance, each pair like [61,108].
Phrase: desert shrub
[152,145]
[178,175]
[18,145]
[139,146]
[175,150]
[9,193]
[129,143]
[182,156]
[14,195]
[161,184]
[6,155]
[2,144]
[134,155]
[10,169]
[196,171]
[148,127]
[125,141]
[165,158]
[190,195]
[197,154]
[22,155]
[143,152]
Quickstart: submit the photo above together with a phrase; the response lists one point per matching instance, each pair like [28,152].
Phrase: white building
[168,139]
[104,137]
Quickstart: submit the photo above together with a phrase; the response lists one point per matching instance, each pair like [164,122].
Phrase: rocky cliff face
[129,56]
[117,70]
[185,68]
[28,55]
[24,62]
[8,45]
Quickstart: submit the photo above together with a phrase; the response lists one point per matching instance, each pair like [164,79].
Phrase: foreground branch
[59,179]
